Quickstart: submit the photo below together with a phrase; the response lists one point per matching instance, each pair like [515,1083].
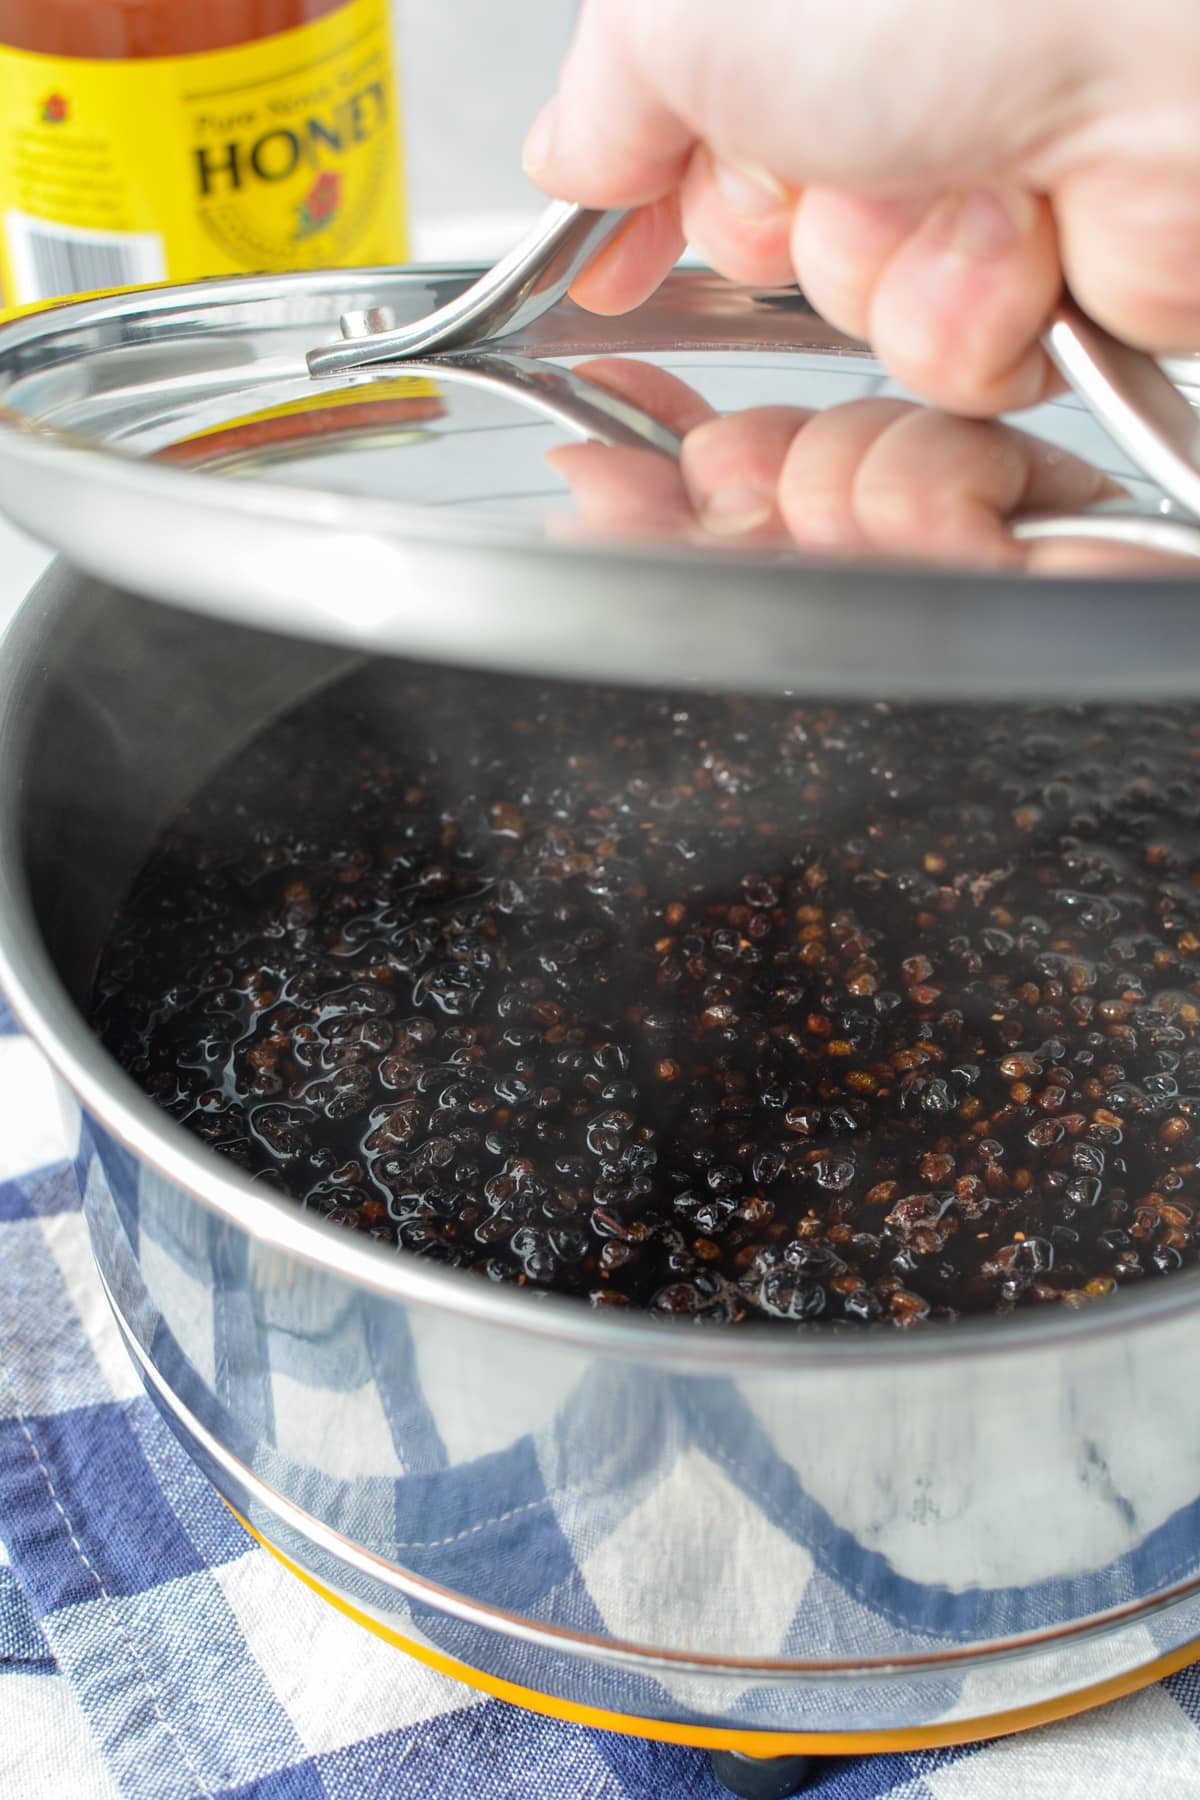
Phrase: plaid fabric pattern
[149,1648]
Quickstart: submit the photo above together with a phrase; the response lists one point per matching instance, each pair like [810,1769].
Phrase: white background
[473,73]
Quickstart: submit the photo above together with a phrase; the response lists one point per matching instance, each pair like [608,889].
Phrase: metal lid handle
[524,284]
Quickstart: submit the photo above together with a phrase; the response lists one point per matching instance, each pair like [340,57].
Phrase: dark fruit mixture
[728,1009]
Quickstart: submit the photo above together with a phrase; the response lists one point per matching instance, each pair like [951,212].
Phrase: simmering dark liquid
[729,1009]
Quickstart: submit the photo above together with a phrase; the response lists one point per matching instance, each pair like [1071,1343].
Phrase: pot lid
[525,507]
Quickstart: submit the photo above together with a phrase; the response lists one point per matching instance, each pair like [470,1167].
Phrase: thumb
[606,139]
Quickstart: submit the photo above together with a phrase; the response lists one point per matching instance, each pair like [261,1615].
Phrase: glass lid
[718,488]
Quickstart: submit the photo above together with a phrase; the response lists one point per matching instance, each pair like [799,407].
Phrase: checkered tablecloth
[149,1648]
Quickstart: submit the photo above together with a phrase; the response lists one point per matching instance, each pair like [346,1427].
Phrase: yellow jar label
[281,154]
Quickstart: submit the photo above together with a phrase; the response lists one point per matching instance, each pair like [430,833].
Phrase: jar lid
[525,508]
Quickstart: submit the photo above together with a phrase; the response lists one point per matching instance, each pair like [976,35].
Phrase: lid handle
[533,276]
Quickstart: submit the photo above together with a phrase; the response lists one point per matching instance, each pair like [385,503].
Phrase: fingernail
[751,192]
[985,222]
[730,511]
[535,153]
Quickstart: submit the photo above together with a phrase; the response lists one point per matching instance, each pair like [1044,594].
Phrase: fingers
[732,466]
[958,312]
[886,476]
[664,396]
[724,485]
[952,294]
[841,243]
[953,304]
[630,495]
[636,261]
[947,488]
[880,476]
[1130,240]
[714,134]
[817,481]
[738,218]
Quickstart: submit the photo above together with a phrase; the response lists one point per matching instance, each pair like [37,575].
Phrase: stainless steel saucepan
[747,1538]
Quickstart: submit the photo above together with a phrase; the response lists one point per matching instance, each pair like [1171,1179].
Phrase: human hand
[874,478]
[928,172]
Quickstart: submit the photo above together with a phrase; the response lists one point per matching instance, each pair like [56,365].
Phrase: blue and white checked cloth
[149,1648]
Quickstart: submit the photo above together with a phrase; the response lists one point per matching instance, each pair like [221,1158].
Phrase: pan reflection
[873,478]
